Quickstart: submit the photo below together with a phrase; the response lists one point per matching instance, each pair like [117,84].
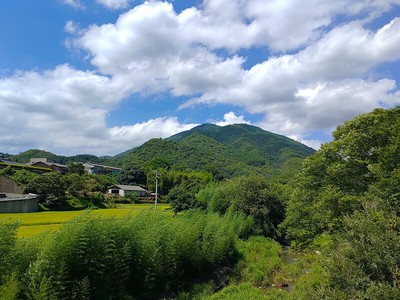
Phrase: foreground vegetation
[146,256]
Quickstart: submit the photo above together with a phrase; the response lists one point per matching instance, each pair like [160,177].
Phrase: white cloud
[71,27]
[65,110]
[137,134]
[315,144]
[318,87]
[75,4]
[232,118]
[114,4]
[139,50]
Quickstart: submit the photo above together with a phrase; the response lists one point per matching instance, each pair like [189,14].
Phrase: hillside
[229,150]
[25,156]
[224,151]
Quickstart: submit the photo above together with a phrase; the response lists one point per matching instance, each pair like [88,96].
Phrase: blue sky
[103,76]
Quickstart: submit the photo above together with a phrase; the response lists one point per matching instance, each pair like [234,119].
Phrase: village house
[127,190]
[45,163]
[93,168]
[4,163]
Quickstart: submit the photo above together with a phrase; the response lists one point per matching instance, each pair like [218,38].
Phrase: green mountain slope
[224,151]
[24,157]
[229,150]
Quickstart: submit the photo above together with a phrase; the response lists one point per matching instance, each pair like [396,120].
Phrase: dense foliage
[362,163]
[54,190]
[91,258]
[347,203]
[251,195]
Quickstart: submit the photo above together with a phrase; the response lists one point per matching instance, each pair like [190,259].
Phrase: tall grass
[260,259]
[147,256]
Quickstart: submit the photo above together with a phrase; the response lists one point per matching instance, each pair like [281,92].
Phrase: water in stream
[289,258]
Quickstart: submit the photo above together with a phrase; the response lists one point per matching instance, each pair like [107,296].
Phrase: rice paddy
[49,221]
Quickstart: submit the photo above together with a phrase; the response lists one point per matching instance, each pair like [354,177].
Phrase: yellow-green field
[34,223]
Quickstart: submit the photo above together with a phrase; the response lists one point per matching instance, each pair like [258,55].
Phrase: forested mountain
[224,151]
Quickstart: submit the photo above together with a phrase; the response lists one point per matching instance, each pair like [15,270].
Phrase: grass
[38,222]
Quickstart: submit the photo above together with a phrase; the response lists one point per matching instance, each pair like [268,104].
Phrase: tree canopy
[361,163]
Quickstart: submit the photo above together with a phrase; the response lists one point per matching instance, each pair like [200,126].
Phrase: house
[4,163]
[45,163]
[92,168]
[127,190]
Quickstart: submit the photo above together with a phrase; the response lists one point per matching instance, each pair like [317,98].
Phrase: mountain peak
[235,149]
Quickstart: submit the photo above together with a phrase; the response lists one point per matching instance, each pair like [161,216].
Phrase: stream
[289,258]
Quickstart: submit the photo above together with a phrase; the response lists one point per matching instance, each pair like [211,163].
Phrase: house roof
[101,166]
[10,162]
[129,187]
[49,164]
[59,165]
[17,197]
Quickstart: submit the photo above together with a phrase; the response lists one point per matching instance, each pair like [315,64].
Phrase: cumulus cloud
[320,86]
[137,134]
[114,4]
[139,50]
[232,118]
[66,109]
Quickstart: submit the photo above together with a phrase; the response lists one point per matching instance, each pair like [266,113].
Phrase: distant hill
[229,150]
[25,157]
[5,155]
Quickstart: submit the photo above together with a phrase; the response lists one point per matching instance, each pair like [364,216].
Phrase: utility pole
[157,175]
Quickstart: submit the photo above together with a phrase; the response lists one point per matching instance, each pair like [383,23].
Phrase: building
[12,199]
[13,203]
[45,163]
[8,185]
[127,190]
[92,168]
[4,163]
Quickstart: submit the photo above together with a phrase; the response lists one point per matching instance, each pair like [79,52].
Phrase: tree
[76,168]
[182,198]
[50,187]
[365,262]
[159,162]
[23,177]
[251,195]
[360,162]
[256,198]
[74,183]
[132,174]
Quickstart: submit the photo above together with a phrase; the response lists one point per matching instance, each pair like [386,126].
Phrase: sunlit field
[35,223]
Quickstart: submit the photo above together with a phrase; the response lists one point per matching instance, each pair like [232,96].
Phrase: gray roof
[102,166]
[129,187]
[48,164]
[16,197]
[58,165]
